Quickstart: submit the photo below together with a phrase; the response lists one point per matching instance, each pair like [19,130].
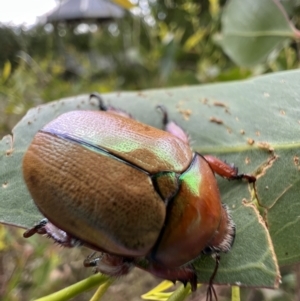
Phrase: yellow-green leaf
[235,293]
[157,293]
[6,71]
[124,3]
[194,39]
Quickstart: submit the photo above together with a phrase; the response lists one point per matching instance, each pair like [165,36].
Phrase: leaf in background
[252,29]
[253,123]
[214,8]
[193,40]
[6,71]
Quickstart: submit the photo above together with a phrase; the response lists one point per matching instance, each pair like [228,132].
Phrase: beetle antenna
[165,114]
[101,105]
[211,292]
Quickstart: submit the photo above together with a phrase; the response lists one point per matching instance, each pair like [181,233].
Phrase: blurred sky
[17,12]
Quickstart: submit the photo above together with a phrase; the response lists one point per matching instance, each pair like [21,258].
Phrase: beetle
[137,194]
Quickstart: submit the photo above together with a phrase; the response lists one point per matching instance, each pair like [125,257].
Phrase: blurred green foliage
[173,44]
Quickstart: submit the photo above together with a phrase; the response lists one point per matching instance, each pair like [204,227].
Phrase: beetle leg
[91,261]
[171,127]
[38,228]
[58,235]
[108,264]
[227,171]
[210,290]
[101,105]
[110,109]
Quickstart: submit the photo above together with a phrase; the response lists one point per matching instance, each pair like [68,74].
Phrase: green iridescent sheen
[192,179]
[158,150]
[126,146]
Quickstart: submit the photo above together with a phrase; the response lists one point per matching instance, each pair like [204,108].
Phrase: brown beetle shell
[108,204]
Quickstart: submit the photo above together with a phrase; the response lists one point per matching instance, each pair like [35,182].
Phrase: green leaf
[254,124]
[193,40]
[102,290]
[158,293]
[77,288]
[181,293]
[252,29]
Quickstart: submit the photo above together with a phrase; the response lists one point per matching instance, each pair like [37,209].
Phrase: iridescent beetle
[137,194]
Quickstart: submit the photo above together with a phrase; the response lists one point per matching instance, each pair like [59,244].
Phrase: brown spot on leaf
[9,152]
[282,112]
[247,160]
[204,101]
[219,104]
[223,105]
[296,160]
[250,141]
[266,146]
[215,120]
[242,132]
[141,94]
[4,185]
[257,133]
[180,104]
[266,165]
[186,113]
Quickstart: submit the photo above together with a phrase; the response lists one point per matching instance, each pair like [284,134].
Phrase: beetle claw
[101,105]
[228,171]
[38,228]
[44,227]
[193,282]
[90,261]
[165,114]
[211,292]
[109,108]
